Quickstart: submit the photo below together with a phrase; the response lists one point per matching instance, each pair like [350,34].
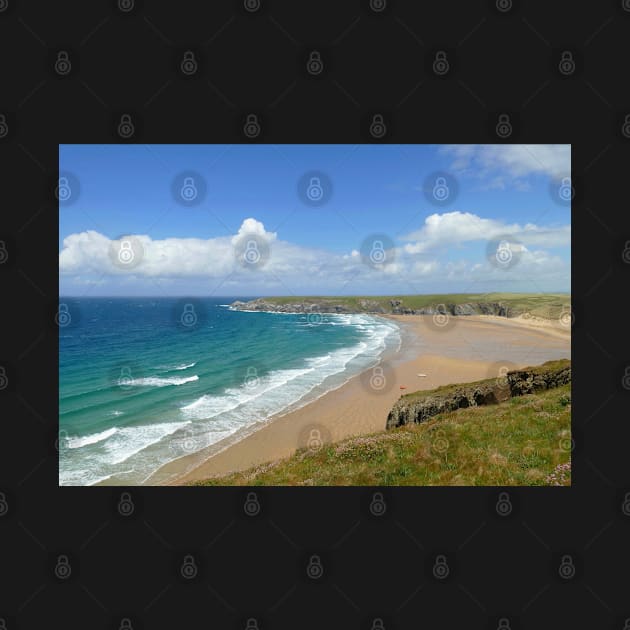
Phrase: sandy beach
[462,350]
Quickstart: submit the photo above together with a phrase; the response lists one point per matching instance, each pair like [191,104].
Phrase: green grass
[546,305]
[519,442]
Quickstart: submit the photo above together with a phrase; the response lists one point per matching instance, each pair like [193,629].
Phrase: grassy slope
[519,442]
[538,304]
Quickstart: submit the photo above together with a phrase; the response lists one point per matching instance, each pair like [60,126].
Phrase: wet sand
[461,350]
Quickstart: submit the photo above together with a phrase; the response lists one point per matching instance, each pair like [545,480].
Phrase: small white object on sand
[420,374]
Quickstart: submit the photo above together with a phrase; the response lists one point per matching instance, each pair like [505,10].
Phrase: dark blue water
[146,380]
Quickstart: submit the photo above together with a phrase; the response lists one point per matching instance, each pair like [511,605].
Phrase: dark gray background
[374,62]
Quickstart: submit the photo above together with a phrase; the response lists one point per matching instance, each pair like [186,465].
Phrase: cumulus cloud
[456,228]
[500,165]
[86,258]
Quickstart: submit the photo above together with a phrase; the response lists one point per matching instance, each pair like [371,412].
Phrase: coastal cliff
[420,406]
[502,305]
[392,307]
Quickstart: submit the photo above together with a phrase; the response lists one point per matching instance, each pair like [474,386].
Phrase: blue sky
[317,245]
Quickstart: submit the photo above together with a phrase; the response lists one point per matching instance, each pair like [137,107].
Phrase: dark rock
[415,409]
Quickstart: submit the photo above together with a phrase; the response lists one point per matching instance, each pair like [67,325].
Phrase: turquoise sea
[143,381]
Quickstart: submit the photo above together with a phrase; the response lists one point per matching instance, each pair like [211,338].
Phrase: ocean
[144,381]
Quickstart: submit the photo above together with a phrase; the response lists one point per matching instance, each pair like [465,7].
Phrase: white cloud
[185,264]
[502,165]
[456,228]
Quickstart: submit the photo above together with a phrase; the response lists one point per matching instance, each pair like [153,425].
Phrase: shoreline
[473,349]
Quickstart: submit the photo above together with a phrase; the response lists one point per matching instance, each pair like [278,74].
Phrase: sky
[263,220]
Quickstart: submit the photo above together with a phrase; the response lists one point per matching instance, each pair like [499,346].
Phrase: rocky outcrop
[366,305]
[303,306]
[418,407]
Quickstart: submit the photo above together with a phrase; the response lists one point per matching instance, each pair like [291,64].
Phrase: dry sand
[467,349]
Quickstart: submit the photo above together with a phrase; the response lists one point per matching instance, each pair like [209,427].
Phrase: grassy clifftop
[547,306]
[525,440]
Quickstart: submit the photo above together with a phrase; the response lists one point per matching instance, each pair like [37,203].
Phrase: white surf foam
[154,381]
[78,442]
